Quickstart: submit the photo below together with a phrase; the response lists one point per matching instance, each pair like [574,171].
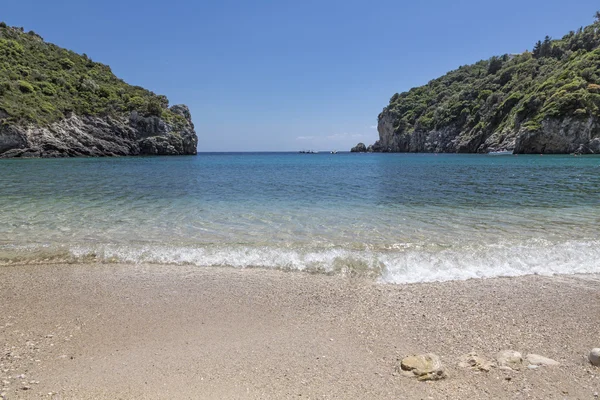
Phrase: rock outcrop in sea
[77,136]
[359,148]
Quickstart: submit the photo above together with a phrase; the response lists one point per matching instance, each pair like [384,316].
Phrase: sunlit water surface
[398,217]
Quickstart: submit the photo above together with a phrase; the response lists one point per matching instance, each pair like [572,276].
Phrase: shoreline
[95,331]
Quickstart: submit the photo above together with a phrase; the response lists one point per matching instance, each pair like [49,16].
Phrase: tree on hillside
[537,49]
[495,65]
[547,47]
[597,16]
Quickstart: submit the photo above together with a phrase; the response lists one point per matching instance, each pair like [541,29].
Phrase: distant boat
[501,153]
[334,152]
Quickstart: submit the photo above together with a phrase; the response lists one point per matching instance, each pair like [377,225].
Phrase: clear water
[399,217]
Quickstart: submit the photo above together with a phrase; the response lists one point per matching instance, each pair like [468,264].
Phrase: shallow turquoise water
[405,217]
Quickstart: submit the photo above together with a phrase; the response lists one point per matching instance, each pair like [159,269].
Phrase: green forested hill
[502,102]
[41,83]
[57,103]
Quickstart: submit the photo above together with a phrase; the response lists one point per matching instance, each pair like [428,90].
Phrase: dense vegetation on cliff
[558,79]
[41,83]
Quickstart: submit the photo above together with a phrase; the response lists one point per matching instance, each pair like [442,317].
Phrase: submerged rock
[594,357]
[535,359]
[473,361]
[425,367]
[509,359]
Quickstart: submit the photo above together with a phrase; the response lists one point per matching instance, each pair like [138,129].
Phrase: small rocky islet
[57,103]
[544,101]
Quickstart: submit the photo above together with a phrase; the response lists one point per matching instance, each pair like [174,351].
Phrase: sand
[180,332]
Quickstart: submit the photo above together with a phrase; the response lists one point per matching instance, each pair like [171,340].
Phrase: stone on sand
[425,367]
[473,361]
[594,357]
[535,359]
[509,359]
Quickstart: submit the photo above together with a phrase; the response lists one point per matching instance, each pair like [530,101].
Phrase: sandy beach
[105,331]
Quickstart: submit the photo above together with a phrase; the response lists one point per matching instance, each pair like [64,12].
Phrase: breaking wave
[398,264]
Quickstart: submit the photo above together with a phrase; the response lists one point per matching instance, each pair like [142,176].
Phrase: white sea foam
[399,264]
[538,257]
[411,264]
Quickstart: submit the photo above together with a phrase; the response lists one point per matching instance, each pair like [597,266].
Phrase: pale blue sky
[290,75]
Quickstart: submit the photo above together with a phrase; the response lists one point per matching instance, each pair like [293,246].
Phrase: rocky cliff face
[556,136]
[568,135]
[77,136]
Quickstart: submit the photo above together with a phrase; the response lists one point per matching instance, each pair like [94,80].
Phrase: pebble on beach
[509,359]
[473,361]
[594,357]
[425,367]
[535,359]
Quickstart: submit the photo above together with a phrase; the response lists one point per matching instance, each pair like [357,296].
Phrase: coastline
[95,331]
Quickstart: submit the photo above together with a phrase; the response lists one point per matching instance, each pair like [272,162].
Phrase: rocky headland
[57,103]
[92,136]
[541,101]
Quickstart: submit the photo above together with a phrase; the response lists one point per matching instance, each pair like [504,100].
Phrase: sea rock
[473,361]
[509,359]
[594,357]
[425,367]
[535,359]
[77,136]
[359,148]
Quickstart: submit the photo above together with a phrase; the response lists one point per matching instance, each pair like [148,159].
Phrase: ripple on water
[401,217]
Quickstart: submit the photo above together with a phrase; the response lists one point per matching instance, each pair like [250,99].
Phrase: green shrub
[532,126]
[88,85]
[4,88]
[105,92]
[67,64]
[484,94]
[48,89]
[154,108]
[11,48]
[25,87]
[137,103]
[47,107]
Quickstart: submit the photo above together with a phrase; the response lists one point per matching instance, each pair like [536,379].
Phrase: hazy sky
[291,75]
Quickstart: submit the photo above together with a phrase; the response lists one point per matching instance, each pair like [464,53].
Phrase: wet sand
[179,332]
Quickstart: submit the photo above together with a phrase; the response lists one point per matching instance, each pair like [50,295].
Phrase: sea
[395,218]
